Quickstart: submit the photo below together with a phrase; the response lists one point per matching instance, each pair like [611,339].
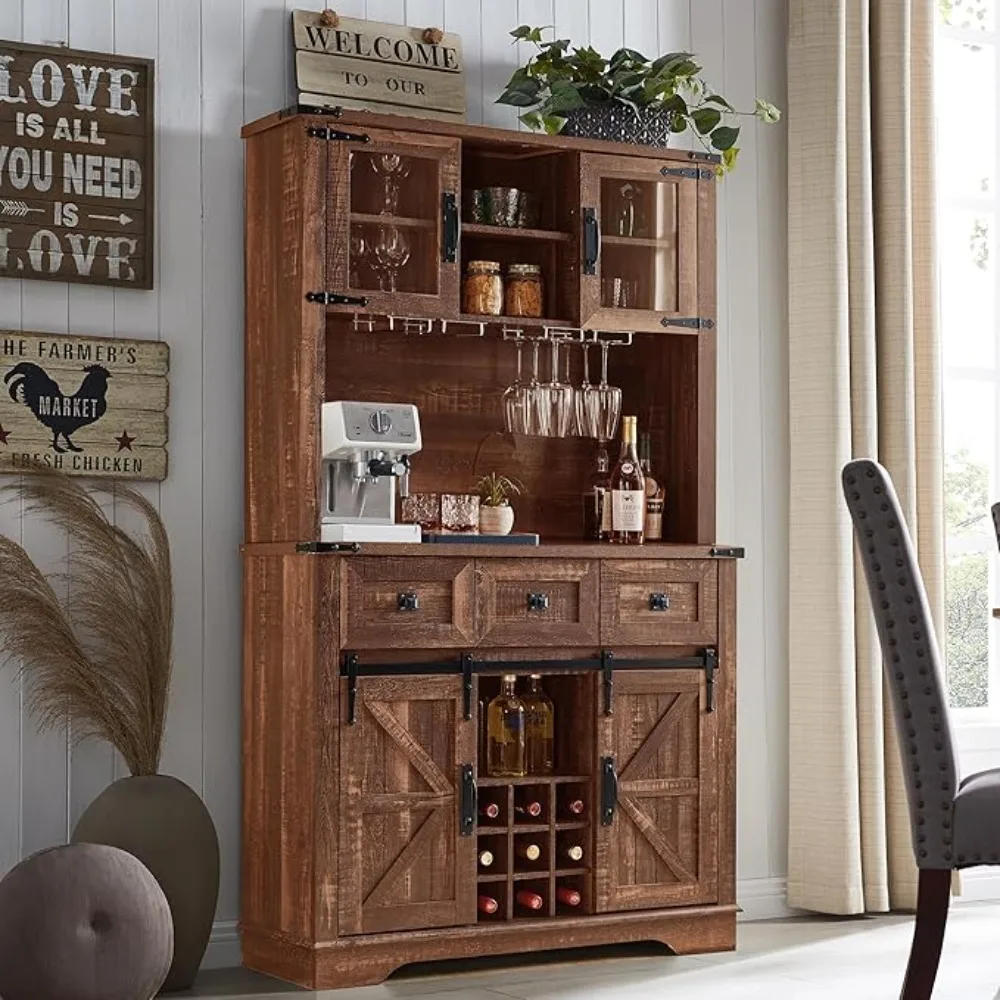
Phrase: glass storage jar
[524,290]
[482,289]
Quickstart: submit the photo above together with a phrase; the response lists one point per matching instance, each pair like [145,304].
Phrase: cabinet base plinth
[371,958]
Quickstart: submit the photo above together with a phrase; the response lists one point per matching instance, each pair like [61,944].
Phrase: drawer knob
[408,602]
[659,602]
[538,602]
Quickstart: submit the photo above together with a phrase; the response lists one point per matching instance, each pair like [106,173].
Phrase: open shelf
[402,222]
[513,233]
[533,779]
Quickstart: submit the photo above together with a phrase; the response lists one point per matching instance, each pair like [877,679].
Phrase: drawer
[653,603]
[404,603]
[537,602]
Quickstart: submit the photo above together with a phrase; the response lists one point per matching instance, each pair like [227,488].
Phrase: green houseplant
[496,515]
[628,97]
[95,646]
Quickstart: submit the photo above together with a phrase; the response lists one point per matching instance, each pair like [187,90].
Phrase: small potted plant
[627,98]
[496,516]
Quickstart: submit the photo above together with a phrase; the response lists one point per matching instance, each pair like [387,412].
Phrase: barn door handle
[591,241]
[408,602]
[449,216]
[659,602]
[467,800]
[609,791]
[538,602]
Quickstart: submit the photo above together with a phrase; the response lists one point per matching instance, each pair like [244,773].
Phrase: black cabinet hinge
[693,173]
[336,299]
[336,134]
[727,552]
[688,322]
[711,665]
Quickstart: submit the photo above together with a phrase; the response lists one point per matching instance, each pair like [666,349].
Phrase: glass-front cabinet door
[640,240]
[393,224]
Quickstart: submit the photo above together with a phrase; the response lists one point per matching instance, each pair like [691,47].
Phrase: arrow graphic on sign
[19,209]
[122,219]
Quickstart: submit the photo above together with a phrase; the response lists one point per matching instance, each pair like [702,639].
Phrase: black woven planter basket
[619,123]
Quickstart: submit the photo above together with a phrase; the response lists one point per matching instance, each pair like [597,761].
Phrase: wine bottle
[596,509]
[568,897]
[653,521]
[487,904]
[628,491]
[485,859]
[539,731]
[489,810]
[505,732]
[530,852]
[531,809]
[575,807]
[530,900]
[573,853]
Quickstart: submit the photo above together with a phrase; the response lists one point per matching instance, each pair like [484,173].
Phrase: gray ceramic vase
[164,824]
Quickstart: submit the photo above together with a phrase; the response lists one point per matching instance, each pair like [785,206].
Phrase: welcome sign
[76,166]
[377,67]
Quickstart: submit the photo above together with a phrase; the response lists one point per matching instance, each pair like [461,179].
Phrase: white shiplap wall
[220,63]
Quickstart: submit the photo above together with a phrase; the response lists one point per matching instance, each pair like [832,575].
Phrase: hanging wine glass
[538,411]
[392,168]
[560,399]
[392,252]
[515,399]
[610,401]
[357,248]
[588,401]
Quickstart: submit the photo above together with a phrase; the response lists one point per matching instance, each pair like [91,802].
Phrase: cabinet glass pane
[395,207]
[639,239]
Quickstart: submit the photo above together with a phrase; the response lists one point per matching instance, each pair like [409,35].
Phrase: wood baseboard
[368,959]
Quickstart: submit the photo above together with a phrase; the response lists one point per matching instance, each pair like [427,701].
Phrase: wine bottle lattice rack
[554,831]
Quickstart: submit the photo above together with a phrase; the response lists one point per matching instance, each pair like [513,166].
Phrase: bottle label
[605,512]
[628,509]
[513,721]
[628,468]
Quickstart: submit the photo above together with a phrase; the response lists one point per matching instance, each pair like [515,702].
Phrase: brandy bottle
[596,502]
[539,728]
[628,491]
[505,733]
[653,522]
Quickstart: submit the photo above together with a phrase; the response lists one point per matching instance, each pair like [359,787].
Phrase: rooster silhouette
[63,415]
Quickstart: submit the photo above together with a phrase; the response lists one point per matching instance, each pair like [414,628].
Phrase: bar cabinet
[367,808]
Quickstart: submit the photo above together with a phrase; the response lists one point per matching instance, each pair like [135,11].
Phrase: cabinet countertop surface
[553,550]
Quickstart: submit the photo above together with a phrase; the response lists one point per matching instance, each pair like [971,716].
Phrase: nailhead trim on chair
[909,645]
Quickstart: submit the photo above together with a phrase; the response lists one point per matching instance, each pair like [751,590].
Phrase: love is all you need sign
[351,63]
[76,166]
[88,406]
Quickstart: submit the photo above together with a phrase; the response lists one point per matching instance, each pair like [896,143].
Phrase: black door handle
[467,801]
[659,602]
[609,791]
[591,241]
[449,217]
[408,601]
[538,602]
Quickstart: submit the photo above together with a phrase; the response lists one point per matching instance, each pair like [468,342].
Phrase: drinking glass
[631,214]
[539,413]
[588,403]
[619,293]
[515,401]
[392,168]
[358,247]
[391,251]
[561,399]
[609,401]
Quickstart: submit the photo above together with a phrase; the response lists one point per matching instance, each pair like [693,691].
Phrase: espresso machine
[366,449]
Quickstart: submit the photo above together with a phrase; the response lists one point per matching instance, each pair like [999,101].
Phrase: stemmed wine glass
[560,398]
[609,401]
[515,400]
[357,248]
[392,168]
[539,412]
[588,404]
[391,252]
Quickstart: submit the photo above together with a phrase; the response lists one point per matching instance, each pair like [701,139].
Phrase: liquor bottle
[530,852]
[628,491]
[485,859]
[575,807]
[505,732]
[489,810]
[530,900]
[568,897]
[573,853]
[539,729]
[529,810]
[596,502]
[653,521]
[488,905]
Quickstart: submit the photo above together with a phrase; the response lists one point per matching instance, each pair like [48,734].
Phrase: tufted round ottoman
[83,922]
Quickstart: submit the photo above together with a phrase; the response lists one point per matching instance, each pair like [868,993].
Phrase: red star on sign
[4,435]
[124,442]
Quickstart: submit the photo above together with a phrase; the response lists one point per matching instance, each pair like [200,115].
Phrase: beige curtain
[864,380]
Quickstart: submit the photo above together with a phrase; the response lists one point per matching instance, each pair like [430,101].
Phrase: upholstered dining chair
[954,825]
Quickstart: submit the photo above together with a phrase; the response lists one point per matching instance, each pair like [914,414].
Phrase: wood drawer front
[686,593]
[377,596]
[537,602]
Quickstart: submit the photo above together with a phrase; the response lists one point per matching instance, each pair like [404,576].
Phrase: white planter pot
[496,520]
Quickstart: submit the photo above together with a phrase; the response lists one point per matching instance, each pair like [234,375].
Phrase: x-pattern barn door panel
[404,865]
[662,847]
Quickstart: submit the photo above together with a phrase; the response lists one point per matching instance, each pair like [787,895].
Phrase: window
[967,185]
